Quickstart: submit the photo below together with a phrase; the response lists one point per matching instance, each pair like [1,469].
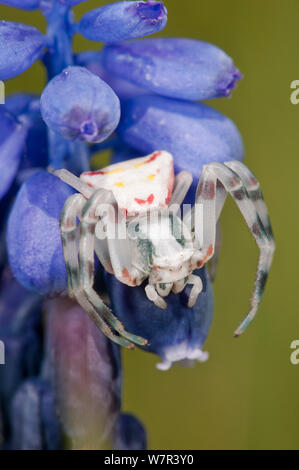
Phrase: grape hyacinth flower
[135,96]
[78,104]
[123,20]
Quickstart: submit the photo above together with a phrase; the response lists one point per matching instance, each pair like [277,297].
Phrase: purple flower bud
[85,373]
[175,67]
[78,104]
[130,433]
[194,133]
[176,334]
[24,4]
[33,236]
[35,425]
[123,20]
[12,141]
[20,46]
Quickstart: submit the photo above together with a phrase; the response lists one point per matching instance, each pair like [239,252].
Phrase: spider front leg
[254,217]
[196,289]
[68,227]
[86,254]
[183,181]
[254,192]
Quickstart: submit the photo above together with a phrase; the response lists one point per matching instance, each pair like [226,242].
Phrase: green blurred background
[246,396]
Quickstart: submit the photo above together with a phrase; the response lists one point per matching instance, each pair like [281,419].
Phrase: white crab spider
[137,189]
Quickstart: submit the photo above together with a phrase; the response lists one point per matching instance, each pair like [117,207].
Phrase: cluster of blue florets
[133,97]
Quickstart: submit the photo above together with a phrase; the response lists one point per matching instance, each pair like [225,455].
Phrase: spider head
[162,246]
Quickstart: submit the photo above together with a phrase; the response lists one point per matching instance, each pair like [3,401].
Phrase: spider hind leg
[241,184]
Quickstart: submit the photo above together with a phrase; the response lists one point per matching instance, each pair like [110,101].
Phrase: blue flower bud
[26,107]
[194,134]
[123,20]
[20,46]
[85,371]
[176,333]
[175,67]
[33,236]
[35,425]
[24,4]
[78,104]
[20,315]
[130,433]
[12,141]
[71,3]
[93,61]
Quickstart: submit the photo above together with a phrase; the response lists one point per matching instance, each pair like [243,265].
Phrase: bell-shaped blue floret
[85,370]
[78,104]
[93,61]
[35,424]
[175,67]
[20,46]
[176,333]
[123,20]
[193,133]
[33,236]
[12,141]
[24,4]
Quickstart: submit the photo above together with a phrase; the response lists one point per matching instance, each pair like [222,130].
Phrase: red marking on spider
[97,172]
[207,190]
[124,212]
[169,194]
[153,157]
[127,275]
[234,182]
[209,253]
[149,200]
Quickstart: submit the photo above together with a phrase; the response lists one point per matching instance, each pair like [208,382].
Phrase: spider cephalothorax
[130,216]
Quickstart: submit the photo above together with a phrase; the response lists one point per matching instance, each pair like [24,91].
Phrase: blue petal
[71,3]
[78,104]
[85,372]
[24,4]
[33,237]
[123,20]
[178,330]
[124,153]
[130,433]
[26,106]
[12,141]
[20,46]
[194,133]
[175,67]
[93,61]
[35,425]
[20,322]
